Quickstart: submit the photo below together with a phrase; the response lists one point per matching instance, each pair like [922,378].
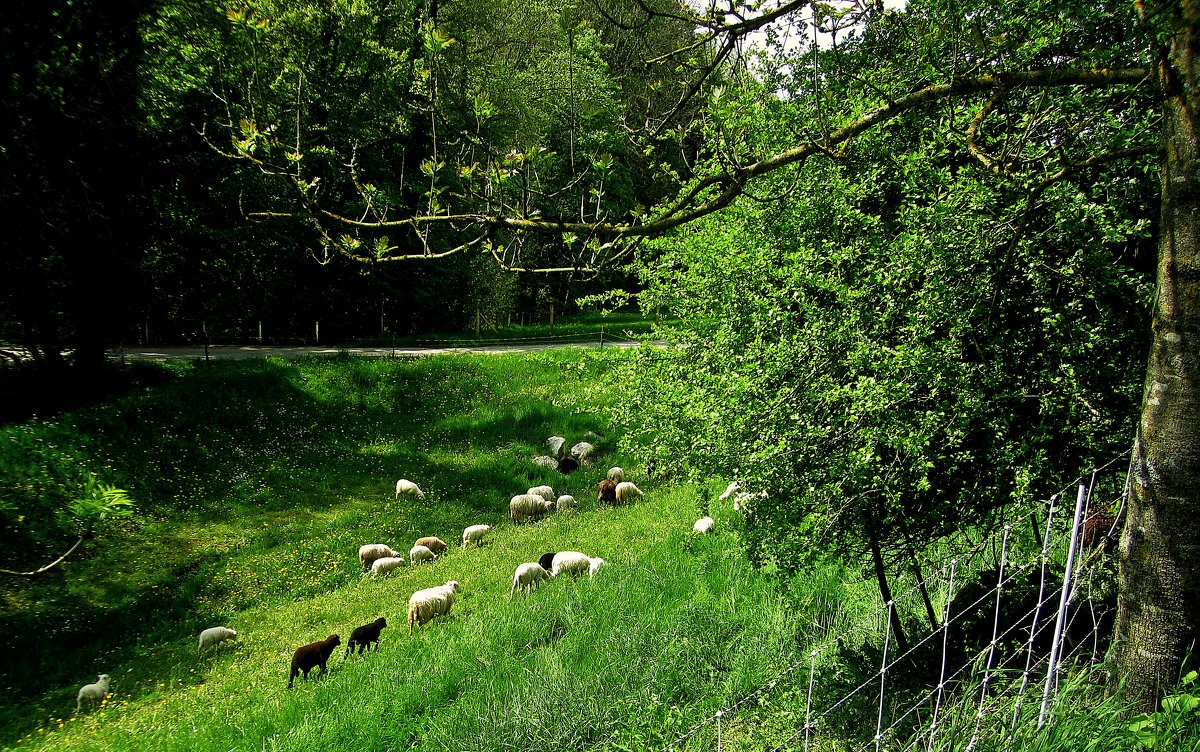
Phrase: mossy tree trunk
[1159,616]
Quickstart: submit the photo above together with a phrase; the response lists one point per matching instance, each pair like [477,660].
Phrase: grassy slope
[257,483]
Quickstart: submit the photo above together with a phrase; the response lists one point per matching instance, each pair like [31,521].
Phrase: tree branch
[51,565]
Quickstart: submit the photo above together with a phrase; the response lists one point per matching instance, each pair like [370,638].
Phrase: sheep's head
[453,585]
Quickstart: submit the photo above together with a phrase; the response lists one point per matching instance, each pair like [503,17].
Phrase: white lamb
[571,562]
[421,554]
[433,543]
[744,501]
[730,490]
[214,636]
[404,486]
[527,576]
[474,534]
[594,565]
[566,501]
[626,491]
[425,604]
[528,505]
[547,462]
[383,566]
[92,694]
[370,552]
[703,525]
[546,492]
[616,474]
[556,446]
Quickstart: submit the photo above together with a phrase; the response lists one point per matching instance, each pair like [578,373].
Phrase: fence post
[1052,666]
[601,338]
[1037,611]
[316,332]
[720,713]
[937,705]
[812,673]
[887,641]
[204,331]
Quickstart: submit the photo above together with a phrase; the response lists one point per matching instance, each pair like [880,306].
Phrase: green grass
[256,482]
[584,327]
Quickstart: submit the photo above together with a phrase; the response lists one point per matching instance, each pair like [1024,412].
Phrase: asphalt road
[235,352]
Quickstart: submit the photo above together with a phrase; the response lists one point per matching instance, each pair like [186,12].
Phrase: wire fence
[1015,609]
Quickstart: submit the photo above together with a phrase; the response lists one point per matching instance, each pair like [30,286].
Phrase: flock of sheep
[379,559]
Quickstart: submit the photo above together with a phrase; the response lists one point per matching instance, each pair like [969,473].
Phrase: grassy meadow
[255,484]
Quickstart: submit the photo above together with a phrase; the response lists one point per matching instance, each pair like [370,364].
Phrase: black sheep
[547,560]
[313,654]
[365,635]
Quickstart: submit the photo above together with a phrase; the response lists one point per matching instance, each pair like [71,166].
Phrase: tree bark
[1158,619]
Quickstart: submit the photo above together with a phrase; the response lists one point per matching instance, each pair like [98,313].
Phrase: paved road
[234,352]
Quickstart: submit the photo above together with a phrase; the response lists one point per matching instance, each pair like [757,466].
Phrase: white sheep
[383,566]
[425,604]
[566,501]
[546,492]
[528,505]
[527,576]
[744,501]
[404,486]
[214,636]
[420,554]
[556,446]
[571,562]
[547,462]
[474,534]
[582,451]
[703,525]
[92,694]
[730,490]
[370,552]
[594,565]
[626,491]
[616,474]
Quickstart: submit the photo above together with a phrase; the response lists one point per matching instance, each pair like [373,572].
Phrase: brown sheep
[311,655]
[607,491]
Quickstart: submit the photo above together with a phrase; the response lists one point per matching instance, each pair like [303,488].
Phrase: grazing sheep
[383,566]
[703,525]
[436,545]
[606,491]
[571,562]
[528,505]
[365,635]
[626,491]
[214,636]
[582,451]
[547,462]
[474,534]
[594,565]
[556,446]
[566,501]
[546,492]
[730,490]
[404,486]
[527,576]
[92,694]
[547,560]
[616,474]
[744,501]
[372,551]
[312,655]
[420,555]
[567,466]
[430,602]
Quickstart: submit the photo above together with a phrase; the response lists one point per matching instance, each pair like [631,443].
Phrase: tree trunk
[1158,619]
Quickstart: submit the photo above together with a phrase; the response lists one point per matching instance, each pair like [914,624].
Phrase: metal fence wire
[1032,610]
